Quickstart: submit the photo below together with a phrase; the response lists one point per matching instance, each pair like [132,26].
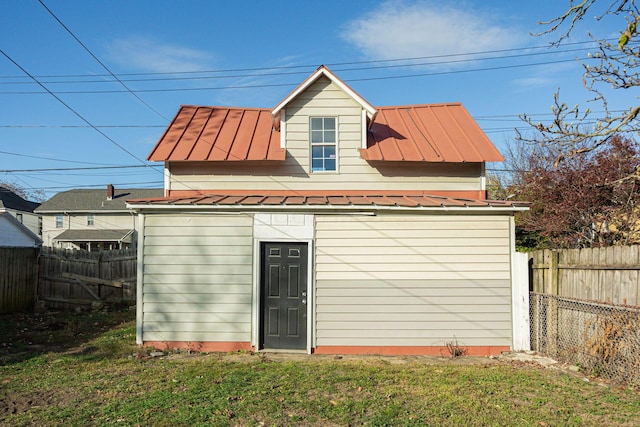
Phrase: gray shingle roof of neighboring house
[10,200]
[96,200]
[94,236]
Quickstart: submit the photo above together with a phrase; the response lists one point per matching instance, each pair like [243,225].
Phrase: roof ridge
[226,107]
[436,104]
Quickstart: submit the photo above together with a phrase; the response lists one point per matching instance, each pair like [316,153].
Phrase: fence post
[552,312]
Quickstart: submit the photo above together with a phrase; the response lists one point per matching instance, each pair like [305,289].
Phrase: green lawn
[80,369]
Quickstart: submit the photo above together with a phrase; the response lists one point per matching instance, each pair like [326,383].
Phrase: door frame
[257,289]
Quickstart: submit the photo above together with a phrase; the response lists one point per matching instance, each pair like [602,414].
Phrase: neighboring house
[326,225]
[20,209]
[15,234]
[91,219]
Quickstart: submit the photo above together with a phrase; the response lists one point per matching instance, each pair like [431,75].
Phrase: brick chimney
[110,192]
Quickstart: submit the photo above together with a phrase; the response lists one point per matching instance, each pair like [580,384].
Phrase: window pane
[316,136]
[316,123]
[330,164]
[317,151]
[316,164]
[330,136]
[330,151]
[329,123]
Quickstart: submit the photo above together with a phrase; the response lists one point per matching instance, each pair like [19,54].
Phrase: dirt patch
[13,403]
[249,357]
[24,335]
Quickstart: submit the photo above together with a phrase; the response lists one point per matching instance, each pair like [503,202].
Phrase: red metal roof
[423,133]
[372,200]
[428,133]
[220,133]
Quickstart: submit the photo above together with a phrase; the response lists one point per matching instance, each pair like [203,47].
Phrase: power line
[280,73]
[254,86]
[70,169]
[83,127]
[50,158]
[100,62]
[313,66]
[77,114]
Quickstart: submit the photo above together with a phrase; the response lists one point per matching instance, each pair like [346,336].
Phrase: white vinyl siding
[198,275]
[324,99]
[407,280]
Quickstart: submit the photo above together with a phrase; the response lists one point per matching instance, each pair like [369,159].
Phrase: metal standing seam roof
[200,133]
[428,133]
[329,200]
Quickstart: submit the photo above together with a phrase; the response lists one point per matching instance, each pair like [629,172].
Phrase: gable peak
[324,71]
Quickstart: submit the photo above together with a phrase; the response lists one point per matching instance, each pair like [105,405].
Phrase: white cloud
[150,55]
[403,29]
[549,77]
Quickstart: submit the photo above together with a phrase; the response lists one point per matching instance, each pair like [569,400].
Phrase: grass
[81,369]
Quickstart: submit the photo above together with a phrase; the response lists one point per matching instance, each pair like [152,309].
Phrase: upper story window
[323,144]
[19,217]
[58,220]
[90,219]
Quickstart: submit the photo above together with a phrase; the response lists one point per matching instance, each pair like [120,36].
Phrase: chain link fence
[602,339]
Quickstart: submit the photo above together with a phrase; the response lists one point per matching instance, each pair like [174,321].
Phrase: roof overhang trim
[86,211]
[324,71]
[325,208]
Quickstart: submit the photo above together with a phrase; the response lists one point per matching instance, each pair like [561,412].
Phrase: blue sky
[253,53]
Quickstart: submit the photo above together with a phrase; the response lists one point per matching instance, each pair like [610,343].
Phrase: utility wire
[100,62]
[229,76]
[50,158]
[71,169]
[254,86]
[84,126]
[76,113]
[313,66]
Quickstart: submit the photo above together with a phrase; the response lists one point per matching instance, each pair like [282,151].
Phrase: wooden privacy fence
[72,278]
[18,279]
[585,308]
[610,274]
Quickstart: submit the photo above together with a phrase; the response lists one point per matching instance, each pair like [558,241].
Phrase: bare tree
[616,66]
[36,195]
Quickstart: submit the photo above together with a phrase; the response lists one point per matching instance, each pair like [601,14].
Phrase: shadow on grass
[24,336]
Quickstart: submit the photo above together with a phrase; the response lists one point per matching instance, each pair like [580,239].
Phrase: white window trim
[336,145]
[364,129]
[283,129]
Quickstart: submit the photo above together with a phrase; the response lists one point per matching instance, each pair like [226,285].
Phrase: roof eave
[325,208]
[88,210]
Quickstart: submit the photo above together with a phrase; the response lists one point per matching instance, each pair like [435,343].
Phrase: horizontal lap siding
[406,280]
[197,278]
